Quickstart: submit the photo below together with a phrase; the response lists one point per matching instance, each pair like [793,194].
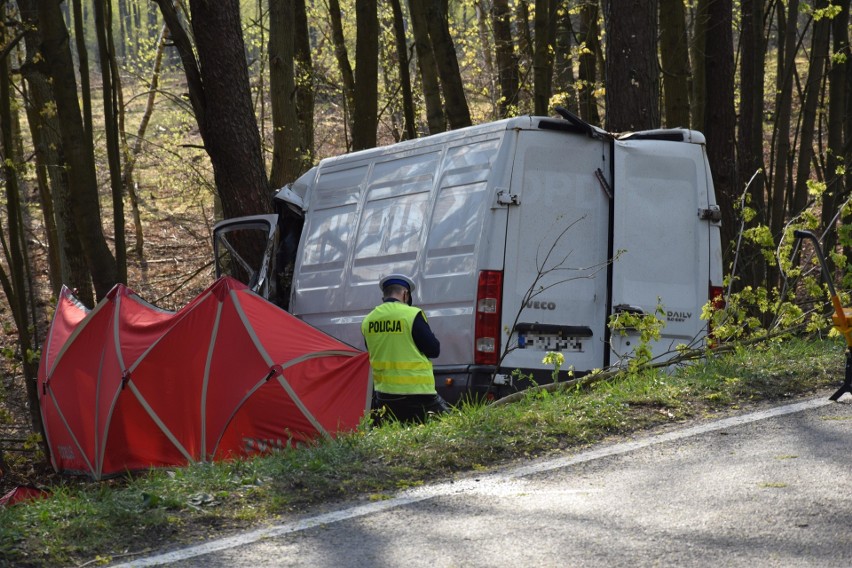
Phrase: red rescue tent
[128,386]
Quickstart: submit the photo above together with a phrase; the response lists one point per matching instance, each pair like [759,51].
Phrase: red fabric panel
[127,437]
[68,315]
[72,391]
[170,376]
[323,384]
[283,336]
[271,419]
[134,441]
[266,421]
[141,325]
[236,368]
[21,494]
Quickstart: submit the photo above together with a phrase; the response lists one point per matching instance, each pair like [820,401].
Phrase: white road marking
[474,484]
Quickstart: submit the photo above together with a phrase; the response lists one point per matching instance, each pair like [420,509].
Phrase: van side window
[391,226]
[325,246]
[330,228]
[457,218]
[394,215]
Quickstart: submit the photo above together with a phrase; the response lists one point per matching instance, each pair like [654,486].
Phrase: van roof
[666,134]
[526,122]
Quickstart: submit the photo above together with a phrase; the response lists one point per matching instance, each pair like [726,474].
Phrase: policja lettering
[385,326]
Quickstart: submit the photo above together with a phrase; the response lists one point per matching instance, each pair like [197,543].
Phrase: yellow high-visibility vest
[398,366]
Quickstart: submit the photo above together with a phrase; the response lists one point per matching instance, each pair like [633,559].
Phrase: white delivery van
[523,236]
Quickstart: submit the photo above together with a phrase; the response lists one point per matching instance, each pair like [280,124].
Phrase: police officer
[400,343]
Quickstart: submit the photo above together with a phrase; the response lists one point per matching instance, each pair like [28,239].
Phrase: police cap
[398,279]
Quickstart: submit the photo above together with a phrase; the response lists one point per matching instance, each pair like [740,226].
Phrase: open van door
[665,216]
[244,248]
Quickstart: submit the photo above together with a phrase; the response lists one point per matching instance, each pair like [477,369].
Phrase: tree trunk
[632,77]
[750,131]
[788,30]
[222,102]
[435,117]
[78,148]
[83,60]
[232,137]
[286,159]
[109,86]
[54,250]
[14,285]
[304,73]
[123,20]
[720,128]
[361,86]
[698,48]
[366,116]
[506,59]
[587,73]
[813,92]
[752,71]
[69,266]
[458,114]
[410,126]
[543,55]
[118,105]
[674,56]
[837,155]
[522,23]
[341,54]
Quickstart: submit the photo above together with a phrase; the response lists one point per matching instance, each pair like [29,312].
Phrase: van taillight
[487,329]
[717,297]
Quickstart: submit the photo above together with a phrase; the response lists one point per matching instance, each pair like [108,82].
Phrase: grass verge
[87,523]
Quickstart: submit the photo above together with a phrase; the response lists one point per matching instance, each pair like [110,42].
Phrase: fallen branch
[184,282]
[165,260]
[99,559]
[682,357]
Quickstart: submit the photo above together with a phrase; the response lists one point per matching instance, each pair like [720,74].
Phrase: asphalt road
[760,489]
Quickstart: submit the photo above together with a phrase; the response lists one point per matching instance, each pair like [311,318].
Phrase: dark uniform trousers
[407,408]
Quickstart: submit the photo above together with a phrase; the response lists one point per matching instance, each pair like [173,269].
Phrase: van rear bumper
[463,382]
[459,382]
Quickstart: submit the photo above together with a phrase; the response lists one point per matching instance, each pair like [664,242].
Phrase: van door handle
[712,213]
[505,197]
